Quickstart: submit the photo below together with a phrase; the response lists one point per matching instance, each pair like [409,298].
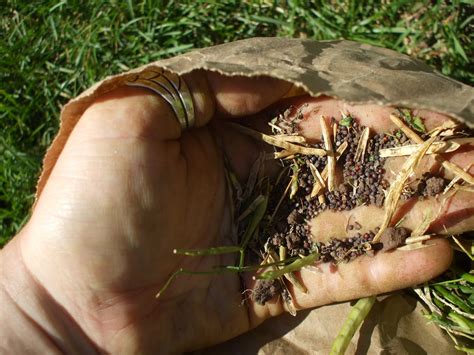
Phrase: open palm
[128,188]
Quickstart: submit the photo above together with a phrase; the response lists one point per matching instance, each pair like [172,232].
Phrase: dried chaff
[317,186]
[331,164]
[335,125]
[446,129]
[290,138]
[294,180]
[362,144]
[317,177]
[414,246]
[459,187]
[393,195]
[437,147]
[417,139]
[405,129]
[293,148]
[282,154]
[454,182]
[419,238]
[459,172]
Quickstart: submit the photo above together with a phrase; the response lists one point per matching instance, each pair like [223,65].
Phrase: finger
[362,277]
[238,96]
[449,214]
[376,117]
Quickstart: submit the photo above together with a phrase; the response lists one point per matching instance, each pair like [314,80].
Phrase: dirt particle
[433,186]
[393,237]
[265,290]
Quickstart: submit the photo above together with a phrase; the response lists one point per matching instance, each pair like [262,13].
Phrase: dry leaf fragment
[293,148]
[393,195]
[362,144]
[340,150]
[414,246]
[417,139]
[331,164]
[405,129]
[290,138]
[419,238]
[459,172]
[436,147]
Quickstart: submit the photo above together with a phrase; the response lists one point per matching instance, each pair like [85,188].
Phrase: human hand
[128,188]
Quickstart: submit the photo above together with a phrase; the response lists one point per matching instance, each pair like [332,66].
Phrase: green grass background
[52,50]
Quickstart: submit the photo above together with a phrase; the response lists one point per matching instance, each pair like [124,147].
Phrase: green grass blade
[208,251]
[294,266]
[356,316]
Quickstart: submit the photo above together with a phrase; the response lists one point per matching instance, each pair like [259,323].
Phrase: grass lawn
[52,50]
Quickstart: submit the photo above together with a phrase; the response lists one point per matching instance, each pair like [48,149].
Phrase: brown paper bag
[354,72]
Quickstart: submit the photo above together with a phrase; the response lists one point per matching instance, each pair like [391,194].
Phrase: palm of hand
[120,199]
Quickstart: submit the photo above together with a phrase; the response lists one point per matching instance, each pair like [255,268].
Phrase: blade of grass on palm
[208,251]
[254,222]
[294,266]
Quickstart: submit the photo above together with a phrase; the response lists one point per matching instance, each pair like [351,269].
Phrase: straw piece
[293,148]
[419,238]
[405,129]
[459,172]
[437,147]
[393,195]
[317,177]
[331,164]
[317,186]
[282,154]
[290,138]
[362,144]
[417,139]
[414,246]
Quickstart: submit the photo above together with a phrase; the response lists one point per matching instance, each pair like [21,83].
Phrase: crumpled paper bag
[351,71]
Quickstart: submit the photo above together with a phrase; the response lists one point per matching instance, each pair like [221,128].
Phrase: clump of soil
[265,290]
[428,186]
[393,237]
[344,250]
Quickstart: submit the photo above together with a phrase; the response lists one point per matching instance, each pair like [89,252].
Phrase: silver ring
[172,88]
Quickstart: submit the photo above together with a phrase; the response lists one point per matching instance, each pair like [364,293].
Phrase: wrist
[32,321]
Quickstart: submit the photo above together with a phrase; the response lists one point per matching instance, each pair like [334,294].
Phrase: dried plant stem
[393,195]
[362,144]
[405,129]
[293,148]
[330,154]
[317,185]
[417,139]
[437,147]
[459,172]
[290,138]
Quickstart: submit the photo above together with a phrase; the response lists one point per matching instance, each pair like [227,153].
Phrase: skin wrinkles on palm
[123,195]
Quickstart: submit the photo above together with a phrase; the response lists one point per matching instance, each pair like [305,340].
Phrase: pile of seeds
[362,182]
